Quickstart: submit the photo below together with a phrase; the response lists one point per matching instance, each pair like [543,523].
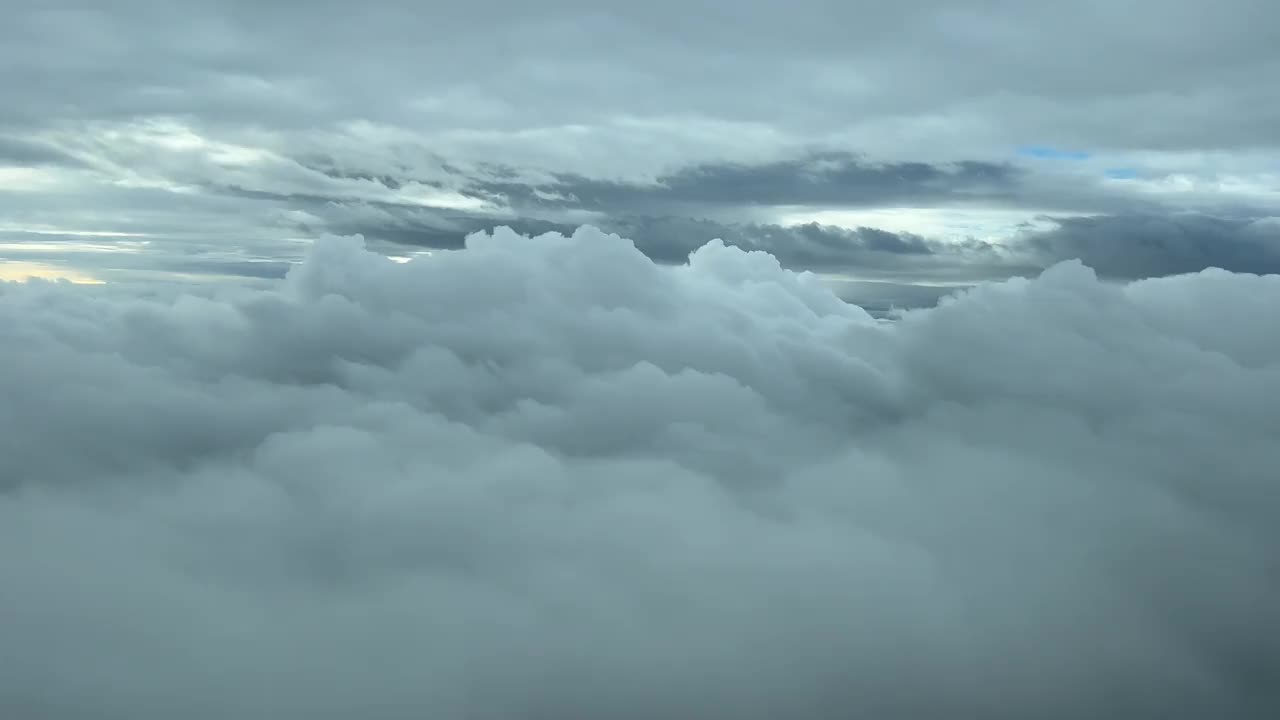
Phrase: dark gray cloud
[549,478]
[18,151]
[677,213]
[1135,246]
[887,299]
[648,214]
[938,73]
[670,240]
[810,246]
[1124,245]
[239,123]
[822,179]
[1116,246]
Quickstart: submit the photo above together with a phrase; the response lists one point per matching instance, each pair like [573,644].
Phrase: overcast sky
[908,362]
[212,134]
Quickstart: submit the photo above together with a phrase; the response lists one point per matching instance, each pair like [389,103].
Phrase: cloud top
[545,477]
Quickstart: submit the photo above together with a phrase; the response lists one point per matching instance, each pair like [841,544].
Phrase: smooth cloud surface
[548,478]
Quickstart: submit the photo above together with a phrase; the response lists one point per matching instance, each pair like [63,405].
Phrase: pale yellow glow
[19,248]
[50,230]
[12,271]
[26,179]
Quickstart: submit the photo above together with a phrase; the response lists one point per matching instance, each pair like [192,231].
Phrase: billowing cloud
[549,478]
[574,476]
[1132,245]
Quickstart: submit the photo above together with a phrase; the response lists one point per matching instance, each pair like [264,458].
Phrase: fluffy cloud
[548,478]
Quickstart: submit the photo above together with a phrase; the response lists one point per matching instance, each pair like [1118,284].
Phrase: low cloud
[1126,246]
[808,246]
[671,239]
[549,478]
[1146,245]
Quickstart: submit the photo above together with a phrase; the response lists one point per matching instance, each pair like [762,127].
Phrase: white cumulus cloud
[548,478]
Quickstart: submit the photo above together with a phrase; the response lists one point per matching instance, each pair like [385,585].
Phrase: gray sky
[227,132]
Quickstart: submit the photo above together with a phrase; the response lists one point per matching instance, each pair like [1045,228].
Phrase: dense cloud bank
[1136,245]
[548,478]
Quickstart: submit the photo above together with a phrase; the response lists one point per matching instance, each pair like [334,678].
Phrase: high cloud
[548,478]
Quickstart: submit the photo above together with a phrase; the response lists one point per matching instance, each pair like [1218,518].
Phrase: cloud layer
[548,478]
[224,132]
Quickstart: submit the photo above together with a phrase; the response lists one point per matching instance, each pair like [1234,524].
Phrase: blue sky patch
[1048,153]
[1121,173]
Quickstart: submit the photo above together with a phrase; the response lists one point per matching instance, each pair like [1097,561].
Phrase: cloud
[623,93]
[1124,245]
[874,267]
[818,178]
[547,477]
[1144,245]
[196,179]
[941,74]
[671,239]
[812,246]
[699,195]
[26,153]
